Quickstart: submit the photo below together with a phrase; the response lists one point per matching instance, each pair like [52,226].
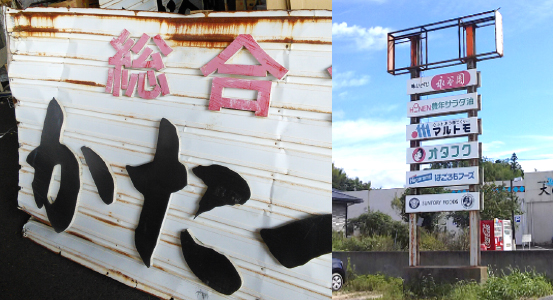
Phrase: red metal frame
[466,32]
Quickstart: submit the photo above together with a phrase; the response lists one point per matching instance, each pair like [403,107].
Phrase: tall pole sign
[419,132]
[474,217]
[414,258]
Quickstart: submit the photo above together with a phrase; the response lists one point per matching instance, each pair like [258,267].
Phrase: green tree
[342,182]
[501,169]
[376,223]
[498,204]
[430,219]
[339,178]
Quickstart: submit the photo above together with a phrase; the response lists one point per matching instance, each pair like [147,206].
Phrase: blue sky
[369,105]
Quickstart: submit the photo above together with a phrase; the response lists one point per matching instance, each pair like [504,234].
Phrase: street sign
[440,153]
[443,129]
[443,82]
[442,202]
[444,105]
[442,177]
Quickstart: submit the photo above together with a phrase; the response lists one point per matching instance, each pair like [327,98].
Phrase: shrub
[515,286]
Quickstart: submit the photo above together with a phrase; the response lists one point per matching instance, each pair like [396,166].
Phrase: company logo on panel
[467,201]
[442,129]
[422,131]
[414,203]
[419,154]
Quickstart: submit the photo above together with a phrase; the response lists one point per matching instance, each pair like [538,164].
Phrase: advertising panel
[444,105]
[443,82]
[442,177]
[487,234]
[443,129]
[442,202]
[440,153]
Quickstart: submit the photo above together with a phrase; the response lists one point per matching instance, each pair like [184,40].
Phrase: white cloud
[384,165]
[373,150]
[372,38]
[535,164]
[350,131]
[529,147]
[338,114]
[343,95]
[349,79]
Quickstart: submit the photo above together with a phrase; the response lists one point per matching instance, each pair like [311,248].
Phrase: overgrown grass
[365,243]
[515,286]
[390,287]
[437,241]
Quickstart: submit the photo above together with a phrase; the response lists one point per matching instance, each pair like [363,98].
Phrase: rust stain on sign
[91,83]
[193,31]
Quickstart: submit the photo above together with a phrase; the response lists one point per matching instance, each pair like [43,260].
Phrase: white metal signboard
[191,161]
[444,105]
[442,202]
[442,177]
[439,153]
[443,82]
[443,129]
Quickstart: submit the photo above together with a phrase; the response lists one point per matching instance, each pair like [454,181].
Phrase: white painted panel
[443,82]
[285,157]
[443,129]
[442,202]
[444,105]
[441,153]
[442,177]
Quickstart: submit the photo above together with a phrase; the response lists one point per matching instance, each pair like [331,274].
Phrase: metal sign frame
[484,19]
[467,54]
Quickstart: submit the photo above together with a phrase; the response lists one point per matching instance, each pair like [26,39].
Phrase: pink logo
[450,80]
[419,154]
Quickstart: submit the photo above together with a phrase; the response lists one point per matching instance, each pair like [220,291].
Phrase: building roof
[339,196]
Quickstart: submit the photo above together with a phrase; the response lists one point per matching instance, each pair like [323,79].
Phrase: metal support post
[474,216]
[414,259]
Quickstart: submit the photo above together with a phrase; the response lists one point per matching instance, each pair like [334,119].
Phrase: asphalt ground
[28,270]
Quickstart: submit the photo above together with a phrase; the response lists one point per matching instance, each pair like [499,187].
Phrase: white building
[535,192]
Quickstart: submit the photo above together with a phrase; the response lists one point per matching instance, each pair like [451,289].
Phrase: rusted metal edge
[110,272]
[202,28]
[120,276]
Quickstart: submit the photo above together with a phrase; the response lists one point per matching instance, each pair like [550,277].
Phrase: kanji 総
[118,77]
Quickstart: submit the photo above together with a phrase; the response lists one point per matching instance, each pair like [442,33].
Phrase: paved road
[546,298]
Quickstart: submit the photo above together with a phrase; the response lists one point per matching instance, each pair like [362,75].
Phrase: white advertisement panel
[443,82]
[444,105]
[442,177]
[439,153]
[443,129]
[442,202]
